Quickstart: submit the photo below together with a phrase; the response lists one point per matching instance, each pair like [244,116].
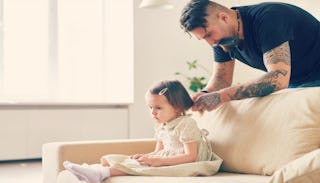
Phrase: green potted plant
[196,83]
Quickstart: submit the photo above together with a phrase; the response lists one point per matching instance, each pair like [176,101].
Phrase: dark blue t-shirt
[268,25]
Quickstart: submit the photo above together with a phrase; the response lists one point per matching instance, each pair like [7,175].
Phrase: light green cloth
[132,167]
[181,130]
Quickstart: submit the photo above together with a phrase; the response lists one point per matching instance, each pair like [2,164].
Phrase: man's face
[217,28]
[211,35]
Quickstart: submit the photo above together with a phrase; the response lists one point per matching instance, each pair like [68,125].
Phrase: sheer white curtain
[66,51]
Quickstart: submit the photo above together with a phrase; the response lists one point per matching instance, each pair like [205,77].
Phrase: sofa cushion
[260,135]
[305,169]
[67,177]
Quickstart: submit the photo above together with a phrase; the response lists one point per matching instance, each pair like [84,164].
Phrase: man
[278,38]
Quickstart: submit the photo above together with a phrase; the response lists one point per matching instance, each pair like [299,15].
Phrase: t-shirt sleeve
[273,28]
[189,131]
[220,55]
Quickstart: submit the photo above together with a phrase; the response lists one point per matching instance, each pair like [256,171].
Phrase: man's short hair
[194,13]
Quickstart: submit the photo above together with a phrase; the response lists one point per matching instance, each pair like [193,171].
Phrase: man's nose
[210,41]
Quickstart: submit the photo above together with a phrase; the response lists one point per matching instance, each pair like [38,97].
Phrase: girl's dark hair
[194,13]
[175,93]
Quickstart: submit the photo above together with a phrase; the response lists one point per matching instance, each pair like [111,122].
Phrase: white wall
[24,129]
[162,48]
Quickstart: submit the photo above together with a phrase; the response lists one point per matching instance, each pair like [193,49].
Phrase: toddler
[181,149]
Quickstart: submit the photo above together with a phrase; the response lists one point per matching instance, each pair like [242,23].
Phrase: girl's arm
[189,155]
[159,146]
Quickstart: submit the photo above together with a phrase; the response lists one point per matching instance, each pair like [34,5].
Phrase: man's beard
[228,43]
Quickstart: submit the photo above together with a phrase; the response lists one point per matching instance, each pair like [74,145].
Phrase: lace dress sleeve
[189,131]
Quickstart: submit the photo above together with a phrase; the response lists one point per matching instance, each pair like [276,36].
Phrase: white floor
[21,172]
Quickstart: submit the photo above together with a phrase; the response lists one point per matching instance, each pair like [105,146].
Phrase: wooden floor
[27,171]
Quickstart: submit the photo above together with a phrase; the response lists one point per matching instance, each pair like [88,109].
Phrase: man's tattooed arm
[266,85]
[221,77]
[277,62]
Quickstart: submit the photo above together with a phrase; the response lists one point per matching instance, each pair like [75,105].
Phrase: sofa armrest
[55,153]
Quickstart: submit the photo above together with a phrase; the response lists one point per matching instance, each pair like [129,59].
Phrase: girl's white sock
[91,174]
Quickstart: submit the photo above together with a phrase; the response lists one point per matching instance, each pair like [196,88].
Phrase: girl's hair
[175,93]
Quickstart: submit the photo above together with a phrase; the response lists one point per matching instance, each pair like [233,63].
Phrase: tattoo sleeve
[211,100]
[277,62]
[264,86]
[222,77]
[220,80]
[280,54]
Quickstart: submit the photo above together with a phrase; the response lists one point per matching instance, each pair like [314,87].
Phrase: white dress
[173,135]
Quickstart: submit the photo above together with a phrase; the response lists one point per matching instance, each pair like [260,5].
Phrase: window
[66,51]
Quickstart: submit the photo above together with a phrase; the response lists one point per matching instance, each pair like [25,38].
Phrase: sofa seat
[222,177]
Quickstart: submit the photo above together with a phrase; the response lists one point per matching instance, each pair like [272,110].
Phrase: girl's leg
[92,174]
[88,173]
[115,172]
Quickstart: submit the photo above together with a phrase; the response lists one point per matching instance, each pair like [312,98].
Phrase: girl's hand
[150,161]
[137,156]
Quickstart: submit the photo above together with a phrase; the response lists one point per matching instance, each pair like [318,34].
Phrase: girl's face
[160,108]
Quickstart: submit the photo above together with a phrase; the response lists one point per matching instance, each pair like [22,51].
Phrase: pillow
[260,135]
[305,169]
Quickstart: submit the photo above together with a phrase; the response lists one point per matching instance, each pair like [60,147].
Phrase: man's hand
[195,98]
[208,102]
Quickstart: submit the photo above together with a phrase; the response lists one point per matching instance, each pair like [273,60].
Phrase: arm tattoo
[211,100]
[221,82]
[269,82]
[278,54]
[266,85]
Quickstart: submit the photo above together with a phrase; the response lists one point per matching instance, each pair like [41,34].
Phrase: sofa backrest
[260,135]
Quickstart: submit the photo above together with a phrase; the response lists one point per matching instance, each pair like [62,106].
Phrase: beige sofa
[273,139]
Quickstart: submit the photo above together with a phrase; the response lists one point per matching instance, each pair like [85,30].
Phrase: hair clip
[163,91]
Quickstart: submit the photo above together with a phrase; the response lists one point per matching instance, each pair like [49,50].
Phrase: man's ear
[223,16]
